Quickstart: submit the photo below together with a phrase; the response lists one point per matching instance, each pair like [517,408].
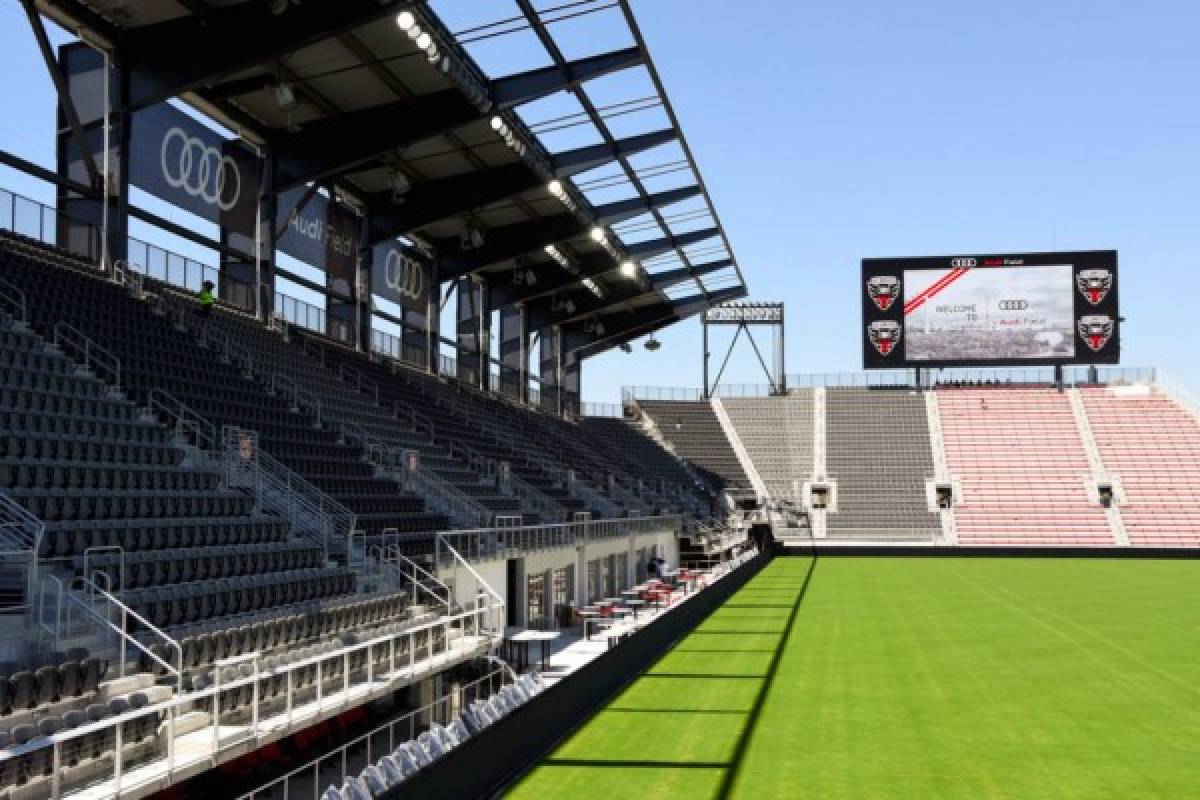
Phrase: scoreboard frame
[1097,319]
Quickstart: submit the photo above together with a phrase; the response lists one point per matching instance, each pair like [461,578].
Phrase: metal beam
[656,247]
[551,278]
[240,86]
[588,305]
[621,329]
[524,87]
[430,202]
[179,55]
[65,103]
[674,277]
[505,243]
[573,162]
[621,210]
[332,147]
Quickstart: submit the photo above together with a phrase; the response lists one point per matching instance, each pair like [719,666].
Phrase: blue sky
[828,132]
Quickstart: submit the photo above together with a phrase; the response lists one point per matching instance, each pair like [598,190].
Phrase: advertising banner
[189,165]
[402,275]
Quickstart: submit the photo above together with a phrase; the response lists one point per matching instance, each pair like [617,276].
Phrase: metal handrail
[94,591]
[416,420]
[348,373]
[22,531]
[313,349]
[443,495]
[184,419]
[312,512]
[443,545]
[182,702]
[14,298]
[538,500]
[88,352]
[302,399]
[485,543]
[18,525]
[367,741]
[418,576]
[123,275]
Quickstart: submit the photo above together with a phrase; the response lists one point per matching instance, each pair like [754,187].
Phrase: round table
[524,637]
[635,605]
[586,615]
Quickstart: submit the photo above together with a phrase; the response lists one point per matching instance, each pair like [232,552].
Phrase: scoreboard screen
[1033,308]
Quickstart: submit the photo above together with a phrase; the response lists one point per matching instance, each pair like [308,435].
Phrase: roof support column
[474,335]
[514,352]
[550,370]
[94,226]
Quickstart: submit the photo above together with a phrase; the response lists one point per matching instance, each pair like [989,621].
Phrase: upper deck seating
[696,434]
[777,433]
[345,402]
[877,448]
[656,463]
[1152,444]
[1023,468]
[156,355]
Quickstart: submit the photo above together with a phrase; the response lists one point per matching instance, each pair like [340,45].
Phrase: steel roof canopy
[373,104]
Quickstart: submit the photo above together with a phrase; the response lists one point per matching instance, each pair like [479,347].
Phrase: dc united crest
[1094,284]
[885,335]
[1096,330]
[883,289]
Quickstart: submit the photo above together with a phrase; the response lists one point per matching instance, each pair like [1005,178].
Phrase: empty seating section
[479,435]
[155,354]
[345,399]
[695,433]
[777,433]
[71,695]
[195,549]
[657,463]
[1023,468]
[877,449]
[1152,444]
[539,447]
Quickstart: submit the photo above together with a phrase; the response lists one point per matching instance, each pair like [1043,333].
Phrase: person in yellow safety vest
[206,299]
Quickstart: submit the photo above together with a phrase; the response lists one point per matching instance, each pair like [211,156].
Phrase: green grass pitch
[913,678]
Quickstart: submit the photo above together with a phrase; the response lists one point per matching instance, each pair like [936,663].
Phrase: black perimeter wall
[485,764]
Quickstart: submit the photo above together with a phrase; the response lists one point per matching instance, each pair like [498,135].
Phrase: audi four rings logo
[1014,305]
[959,263]
[200,170]
[403,275]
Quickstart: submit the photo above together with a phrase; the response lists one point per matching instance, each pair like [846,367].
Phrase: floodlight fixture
[285,98]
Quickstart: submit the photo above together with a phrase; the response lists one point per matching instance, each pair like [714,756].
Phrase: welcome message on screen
[998,314]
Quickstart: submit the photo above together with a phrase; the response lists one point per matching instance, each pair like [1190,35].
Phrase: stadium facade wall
[485,764]
[530,562]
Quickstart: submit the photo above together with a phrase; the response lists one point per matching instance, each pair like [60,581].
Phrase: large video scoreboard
[1022,309]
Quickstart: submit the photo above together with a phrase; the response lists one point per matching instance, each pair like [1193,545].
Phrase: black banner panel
[402,275]
[548,368]
[179,160]
[320,233]
[514,352]
[472,346]
[990,310]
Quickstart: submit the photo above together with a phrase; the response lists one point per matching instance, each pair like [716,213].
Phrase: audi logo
[959,263]
[1013,305]
[403,275]
[200,170]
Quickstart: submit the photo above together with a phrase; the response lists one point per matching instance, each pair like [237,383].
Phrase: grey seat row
[216,598]
[410,757]
[152,567]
